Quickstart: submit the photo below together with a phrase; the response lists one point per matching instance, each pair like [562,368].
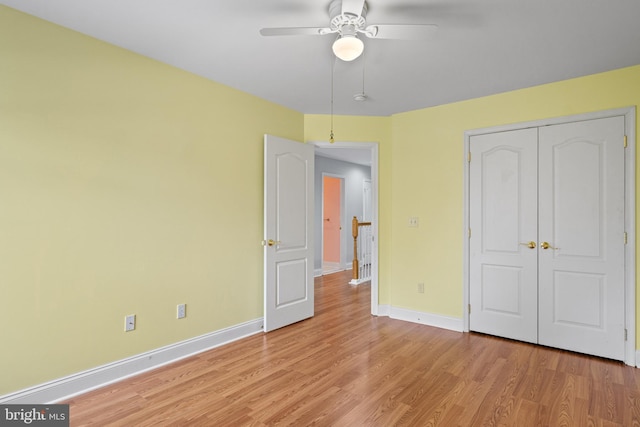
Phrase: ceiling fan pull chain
[333,66]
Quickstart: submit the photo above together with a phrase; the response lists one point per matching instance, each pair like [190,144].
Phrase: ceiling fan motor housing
[348,22]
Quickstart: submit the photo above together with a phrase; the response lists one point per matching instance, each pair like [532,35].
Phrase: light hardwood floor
[345,367]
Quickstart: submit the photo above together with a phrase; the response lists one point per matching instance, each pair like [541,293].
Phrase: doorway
[342,151]
[548,252]
[332,208]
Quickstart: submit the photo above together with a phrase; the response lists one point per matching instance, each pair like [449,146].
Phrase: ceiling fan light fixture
[348,47]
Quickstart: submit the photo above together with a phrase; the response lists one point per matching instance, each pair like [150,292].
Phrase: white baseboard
[637,358]
[317,272]
[82,382]
[437,320]
[384,310]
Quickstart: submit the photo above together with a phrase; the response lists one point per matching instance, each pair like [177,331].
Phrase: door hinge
[625,237]
[625,141]
[469,308]
[625,334]
[469,233]
[469,157]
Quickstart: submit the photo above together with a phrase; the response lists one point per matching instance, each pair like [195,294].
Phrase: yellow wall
[126,186]
[317,127]
[427,169]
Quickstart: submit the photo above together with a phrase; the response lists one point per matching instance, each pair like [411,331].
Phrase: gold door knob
[530,245]
[546,245]
[270,242]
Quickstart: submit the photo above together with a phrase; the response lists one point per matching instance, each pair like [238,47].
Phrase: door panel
[288,283]
[582,218]
[288,223]
[503,269]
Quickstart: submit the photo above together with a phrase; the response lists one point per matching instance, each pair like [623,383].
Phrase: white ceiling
[482,47]
[361,156]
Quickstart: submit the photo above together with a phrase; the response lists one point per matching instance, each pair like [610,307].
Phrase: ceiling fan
[348,18]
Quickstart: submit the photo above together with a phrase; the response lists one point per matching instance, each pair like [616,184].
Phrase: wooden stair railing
[361,254]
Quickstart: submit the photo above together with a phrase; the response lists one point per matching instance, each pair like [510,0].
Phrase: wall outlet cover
[129,322]
[182,311]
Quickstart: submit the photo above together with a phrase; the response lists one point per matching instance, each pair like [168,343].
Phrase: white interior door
[503,220]
[582,221]
[288,232]
[547,248]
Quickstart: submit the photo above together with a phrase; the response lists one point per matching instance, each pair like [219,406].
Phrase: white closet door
[581,217]
[503,208]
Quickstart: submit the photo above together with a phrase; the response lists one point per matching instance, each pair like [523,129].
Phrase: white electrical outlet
[182,311]
[413,221]
[129,322]
[421,288]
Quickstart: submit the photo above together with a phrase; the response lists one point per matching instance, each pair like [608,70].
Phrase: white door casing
[503,268]
[581,284]
[366,200]
[288,232]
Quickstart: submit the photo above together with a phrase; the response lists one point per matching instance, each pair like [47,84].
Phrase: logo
[34,415]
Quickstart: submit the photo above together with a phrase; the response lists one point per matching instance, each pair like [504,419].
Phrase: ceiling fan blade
[296,31]
[353,7]
[401,31]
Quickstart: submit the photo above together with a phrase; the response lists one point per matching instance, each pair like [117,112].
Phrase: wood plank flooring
[345,367]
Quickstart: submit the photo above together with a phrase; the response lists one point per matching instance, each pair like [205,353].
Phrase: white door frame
[630,212]
[343,219]
[373,148]
[366,208]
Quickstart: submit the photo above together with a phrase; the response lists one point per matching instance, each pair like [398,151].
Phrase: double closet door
[546,258]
